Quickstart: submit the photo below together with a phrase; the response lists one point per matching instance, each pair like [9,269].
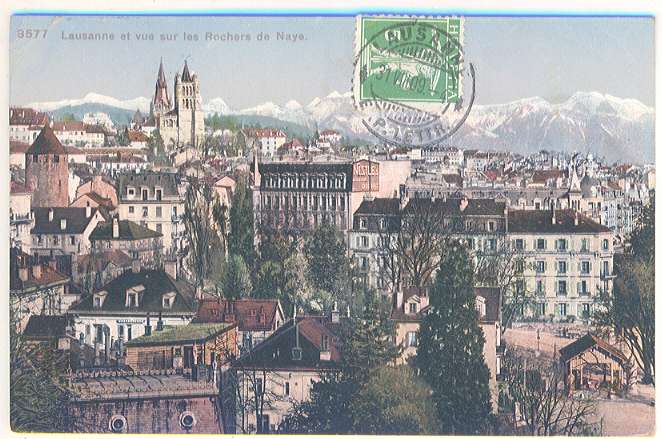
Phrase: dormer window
[363,223]
[324,346]
[98,298]
[133,296]
[413,308]
[130,191]
[169,299]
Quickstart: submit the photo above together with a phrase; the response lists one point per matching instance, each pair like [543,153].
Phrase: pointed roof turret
[161,99]
[46,143]
[161,79]
[186,75]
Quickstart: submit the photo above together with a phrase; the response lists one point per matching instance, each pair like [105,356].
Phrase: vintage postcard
[350,223]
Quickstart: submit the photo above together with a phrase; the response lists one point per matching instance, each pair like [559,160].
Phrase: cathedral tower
[188,105]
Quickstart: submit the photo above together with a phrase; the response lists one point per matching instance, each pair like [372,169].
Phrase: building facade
[567,261]
[153,200]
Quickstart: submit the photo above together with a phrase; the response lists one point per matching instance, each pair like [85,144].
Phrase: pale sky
[515,57]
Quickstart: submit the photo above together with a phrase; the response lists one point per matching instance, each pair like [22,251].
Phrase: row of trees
[224,255]
[443,390]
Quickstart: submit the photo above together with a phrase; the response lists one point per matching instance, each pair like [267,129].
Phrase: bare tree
[537,388]
[390,269]
[419,241]
[504,269]
[201,236]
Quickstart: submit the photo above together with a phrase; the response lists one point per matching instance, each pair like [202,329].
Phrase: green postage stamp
[406,59]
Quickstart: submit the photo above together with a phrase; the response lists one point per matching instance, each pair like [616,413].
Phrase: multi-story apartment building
[135,240]
[25,123]
[63,234]
[268,140]
[567,261]
[300,196]
[154,200]
[481,222]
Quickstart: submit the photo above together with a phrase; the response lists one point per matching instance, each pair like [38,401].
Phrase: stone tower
[161,101]
[47,171]
[188,105]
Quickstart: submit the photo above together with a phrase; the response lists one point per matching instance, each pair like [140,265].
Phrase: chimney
[148,327]
[135,266]
[335,314]
[51,213]
[170,268]
[36,271]
[296,350]
[116,227]
[63,224]
[88,211]
[159,323]
[399,298]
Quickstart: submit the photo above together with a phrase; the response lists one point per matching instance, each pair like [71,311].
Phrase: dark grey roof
[76,217]
[166,180]
[379,206]
[156,284]
[45,326]
[453,206]
[128,231]
[540,221]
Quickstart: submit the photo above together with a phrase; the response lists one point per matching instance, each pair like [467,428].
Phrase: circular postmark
[409,74]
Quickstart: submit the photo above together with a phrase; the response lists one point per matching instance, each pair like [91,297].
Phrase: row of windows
[305,220]
[312,202]
[561,244]
[561,267]
[306,182]
[158,211]
[56,240]
[561,287]
[144,192]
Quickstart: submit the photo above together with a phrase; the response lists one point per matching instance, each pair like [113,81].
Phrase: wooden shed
[590,362]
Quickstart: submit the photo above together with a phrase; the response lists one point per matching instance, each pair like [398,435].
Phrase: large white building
[567,261]
[154,200]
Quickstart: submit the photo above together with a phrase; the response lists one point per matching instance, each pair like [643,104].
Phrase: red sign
[365,176]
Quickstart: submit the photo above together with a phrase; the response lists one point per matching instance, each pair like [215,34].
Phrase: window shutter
[556,266]
[556,244]
[579,287]
[579,266]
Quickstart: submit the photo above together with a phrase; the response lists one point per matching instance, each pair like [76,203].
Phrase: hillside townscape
[179,266]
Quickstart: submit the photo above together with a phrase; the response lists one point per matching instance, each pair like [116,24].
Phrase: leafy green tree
[367,345]
[157,148]
[630,307]
[450,352]
[123,137]
[241,234]
[236,279]
[38,397]
[329,267]
[394,401]
[68,117]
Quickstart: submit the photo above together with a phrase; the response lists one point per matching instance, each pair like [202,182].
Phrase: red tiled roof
[137,136]
[252,314]
[18,147]
[27,116]
[328,133]
[73,125]
[267,132]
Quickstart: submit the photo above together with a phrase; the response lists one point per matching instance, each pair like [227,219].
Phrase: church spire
[186,76]
[161,101]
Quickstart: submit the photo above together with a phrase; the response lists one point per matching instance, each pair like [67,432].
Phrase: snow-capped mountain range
[619,129]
